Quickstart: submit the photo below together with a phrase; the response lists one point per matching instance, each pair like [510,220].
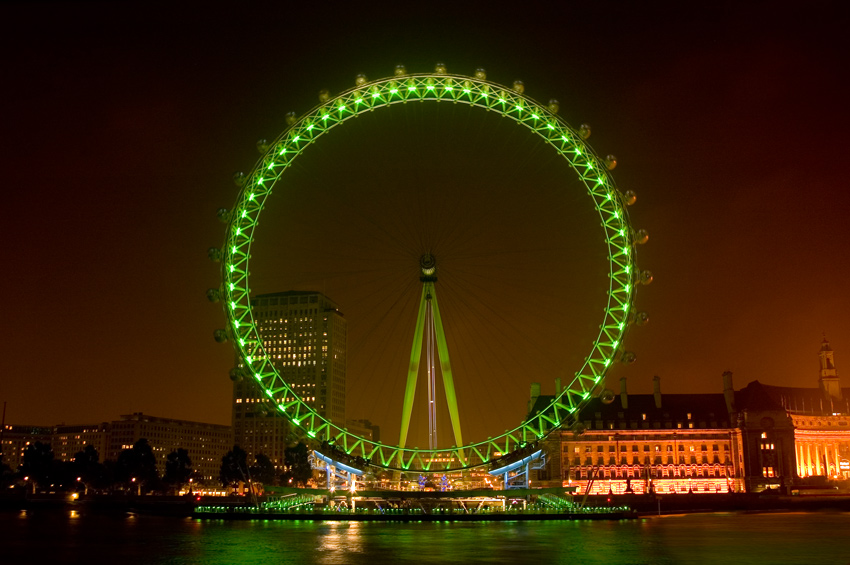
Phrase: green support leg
[413,369]
[446,370]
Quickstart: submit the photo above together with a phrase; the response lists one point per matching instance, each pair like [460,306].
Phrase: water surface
[68,537]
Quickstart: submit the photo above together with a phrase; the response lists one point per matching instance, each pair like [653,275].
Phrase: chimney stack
[728,392]
[533,396]
[656,390]
[624,397]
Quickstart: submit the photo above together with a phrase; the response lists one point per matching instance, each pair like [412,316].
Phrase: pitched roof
[701,407]
[796,400]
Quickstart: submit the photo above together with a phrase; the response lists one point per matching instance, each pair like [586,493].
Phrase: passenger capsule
[400,70]
[646,277]
[324,95]
[641,236]
[610,162]
[213,294]
[628,357]
[235,375]
[440,69]
[607,396]
[214,254]
[291,118]
[584,131]
[554,106]
[480,74]
[642,318]
[223,215]
[262,146]
[629,197]
[239,179]
[220,336]
[519,86]
[360,79]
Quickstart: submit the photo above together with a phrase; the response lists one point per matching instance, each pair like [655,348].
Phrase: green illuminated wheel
[475,91]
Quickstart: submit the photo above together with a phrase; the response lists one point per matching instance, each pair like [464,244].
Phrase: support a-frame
[429,313]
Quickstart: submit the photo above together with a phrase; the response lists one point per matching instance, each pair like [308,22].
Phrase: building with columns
[818,420]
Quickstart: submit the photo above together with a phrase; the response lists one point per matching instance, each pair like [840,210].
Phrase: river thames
[69,537]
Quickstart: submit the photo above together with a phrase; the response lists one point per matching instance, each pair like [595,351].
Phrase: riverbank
[605,507]
[732,502]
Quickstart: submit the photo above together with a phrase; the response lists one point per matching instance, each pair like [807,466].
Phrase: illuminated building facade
[206,443]
[642,443]
[304,334]
[760,437]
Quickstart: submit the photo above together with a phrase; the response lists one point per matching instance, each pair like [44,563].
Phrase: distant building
[16,439]
[70,440]
[206,443]
[255,429]
[304,334]
[365,429]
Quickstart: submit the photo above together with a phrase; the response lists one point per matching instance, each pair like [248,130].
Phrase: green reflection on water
[699,538]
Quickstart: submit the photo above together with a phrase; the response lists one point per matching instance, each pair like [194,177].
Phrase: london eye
[563,143]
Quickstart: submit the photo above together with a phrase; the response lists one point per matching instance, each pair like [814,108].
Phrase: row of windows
[600,448]
[284,300]
[621,425]
[646,460]
[714,471]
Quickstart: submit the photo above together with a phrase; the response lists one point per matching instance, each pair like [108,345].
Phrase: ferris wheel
[563,141]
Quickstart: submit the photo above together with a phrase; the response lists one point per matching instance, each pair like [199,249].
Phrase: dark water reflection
[60,537]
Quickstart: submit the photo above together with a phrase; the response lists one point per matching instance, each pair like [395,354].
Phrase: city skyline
[725,121]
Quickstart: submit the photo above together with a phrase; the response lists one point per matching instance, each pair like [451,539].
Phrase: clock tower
[828,375]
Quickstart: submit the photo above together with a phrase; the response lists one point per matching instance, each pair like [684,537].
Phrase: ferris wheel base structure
[475,91]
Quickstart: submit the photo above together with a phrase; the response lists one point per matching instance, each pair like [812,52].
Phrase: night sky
[124,122]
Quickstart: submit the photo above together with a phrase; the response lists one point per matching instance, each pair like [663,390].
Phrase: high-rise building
[304,334]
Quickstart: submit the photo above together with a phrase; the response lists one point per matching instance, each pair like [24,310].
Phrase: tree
[137,465]
[298,470]
[178,468]
[263,470]
[37,464]
[234,467]
[87,466]
[6,475]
